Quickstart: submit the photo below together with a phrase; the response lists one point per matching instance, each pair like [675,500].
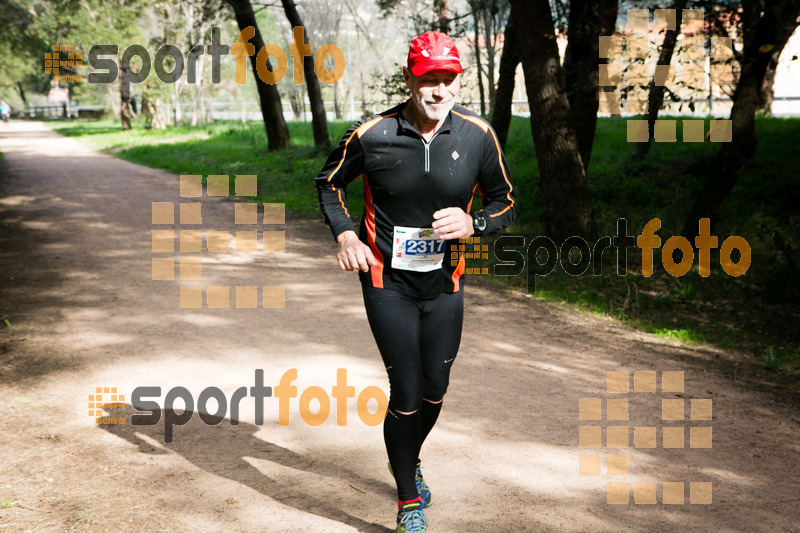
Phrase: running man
[421,163]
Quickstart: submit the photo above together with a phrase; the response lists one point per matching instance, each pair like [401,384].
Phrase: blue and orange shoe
[422,487]
[410,518]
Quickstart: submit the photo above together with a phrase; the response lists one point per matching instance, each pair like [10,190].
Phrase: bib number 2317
[417,249]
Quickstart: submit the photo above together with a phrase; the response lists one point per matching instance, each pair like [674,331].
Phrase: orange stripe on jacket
[505,177]
[461,261]
[458,271]
[376,273]
[485,127]
[341,201]
[344,154]
[361,130]
[475,120]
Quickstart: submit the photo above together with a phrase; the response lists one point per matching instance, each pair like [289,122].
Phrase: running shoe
[422,487]
[411,519]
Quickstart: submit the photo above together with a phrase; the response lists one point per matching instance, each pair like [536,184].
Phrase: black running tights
[418,340]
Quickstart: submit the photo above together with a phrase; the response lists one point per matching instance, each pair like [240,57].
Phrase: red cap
[433,51]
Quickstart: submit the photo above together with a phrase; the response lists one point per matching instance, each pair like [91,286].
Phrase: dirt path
[75,283]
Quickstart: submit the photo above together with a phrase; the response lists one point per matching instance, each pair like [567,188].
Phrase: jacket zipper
[427,145]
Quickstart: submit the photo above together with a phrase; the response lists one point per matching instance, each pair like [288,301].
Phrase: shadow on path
[222,451]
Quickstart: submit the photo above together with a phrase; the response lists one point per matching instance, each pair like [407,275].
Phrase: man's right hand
[354,254]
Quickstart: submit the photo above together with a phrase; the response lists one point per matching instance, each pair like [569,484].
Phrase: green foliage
[392,87]
[775,362]
[31,27]
[745,313]
[224,148]
[748,313]
[417,18]
[20,42]
[680,335]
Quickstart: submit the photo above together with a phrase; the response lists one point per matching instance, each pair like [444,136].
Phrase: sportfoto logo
[140,400]
[511,261]
[63,55]
[619,438]
[241,49]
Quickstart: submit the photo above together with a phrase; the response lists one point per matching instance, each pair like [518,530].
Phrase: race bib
[417,249]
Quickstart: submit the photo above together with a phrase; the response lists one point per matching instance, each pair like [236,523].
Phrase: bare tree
[441,15]
[125,110]
[488,17]
[476,17]
[655,97]
[768,87]
[318,119]
[501,115]
[441,11]
[562,177]
[495,16]
[587,22]
[271,109]
[766,26]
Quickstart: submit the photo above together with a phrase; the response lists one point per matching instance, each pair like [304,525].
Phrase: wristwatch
[478,222]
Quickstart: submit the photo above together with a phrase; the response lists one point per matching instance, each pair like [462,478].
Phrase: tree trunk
[587,22]
[176,109]
[766,27]
[565,193]
[768,88]
[337,105]
[271,110]
[476,17]
[22,94]
[208,109]
[146,111]
[152,108]
[242,104]
[194,119]
[655,97]
[124,94]
[303,103]
[442,19]
[319,121]
[501,116]
[294,102]
[364,113]
[488,26]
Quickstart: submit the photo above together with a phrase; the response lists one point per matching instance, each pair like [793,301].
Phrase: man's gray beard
[433,113]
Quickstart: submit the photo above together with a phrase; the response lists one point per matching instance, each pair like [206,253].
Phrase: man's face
[434,93]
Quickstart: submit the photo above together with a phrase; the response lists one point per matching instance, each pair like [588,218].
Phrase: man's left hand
[452,223]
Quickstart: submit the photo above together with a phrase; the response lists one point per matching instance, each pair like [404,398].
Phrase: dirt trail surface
[75,284]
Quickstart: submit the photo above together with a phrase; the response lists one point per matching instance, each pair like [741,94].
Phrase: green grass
[775,363]
[750,313]
[223,148]
[756,313]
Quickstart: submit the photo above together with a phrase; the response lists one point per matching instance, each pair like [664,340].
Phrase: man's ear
[407,77]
